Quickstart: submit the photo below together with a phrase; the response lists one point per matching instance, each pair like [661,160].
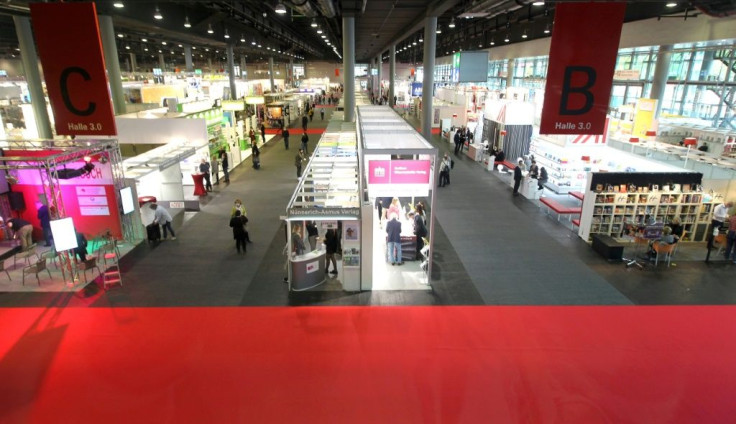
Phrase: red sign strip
[582,60]
[69,45]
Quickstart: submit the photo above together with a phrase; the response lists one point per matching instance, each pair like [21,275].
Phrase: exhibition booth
[398,170]
[327,196]
[382,157]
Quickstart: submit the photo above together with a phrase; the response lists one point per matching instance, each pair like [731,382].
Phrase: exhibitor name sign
[329,212]
[582,60]
[69,46]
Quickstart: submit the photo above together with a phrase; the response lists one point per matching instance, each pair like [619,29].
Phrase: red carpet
[369,365]
[295,131]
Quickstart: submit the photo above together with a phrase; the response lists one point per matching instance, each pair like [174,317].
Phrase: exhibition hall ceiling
[312,29]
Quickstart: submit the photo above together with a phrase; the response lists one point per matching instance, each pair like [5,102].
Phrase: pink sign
[398,171]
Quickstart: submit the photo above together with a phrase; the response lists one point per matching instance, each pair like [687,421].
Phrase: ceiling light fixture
[118,4]
[314,23]
[157,15]
[493,42]
[186,22]
[242,39]
[452,23]
[538,3]
[144,39]
[280,8]
[319,31]
[127,47]
[547,29]
[253,43]
[163,42]
[210,30]
[524,34]
[438,30]
[671,4]
[120,36]
[227,34]
[507,39]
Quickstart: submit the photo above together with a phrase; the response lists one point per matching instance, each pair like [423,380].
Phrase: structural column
[133,63]
[391,74]
[270,74]
[110,49]
[188,59]
[231,71]
[348,64]
[33,76]
[661,71]
[242,67]
[161,62]
[290,72]
[430,44]
[510,73]
[379,62]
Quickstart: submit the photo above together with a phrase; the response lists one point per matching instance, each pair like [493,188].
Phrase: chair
[39,266]
[663,249]
[26,254]
[720,241]
[88,264]
[680,240]
[2,268]
[50,255]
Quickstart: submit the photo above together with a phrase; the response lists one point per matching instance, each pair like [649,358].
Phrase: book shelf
[611,211]
[564,174]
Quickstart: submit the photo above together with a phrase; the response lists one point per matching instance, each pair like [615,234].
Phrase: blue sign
[416,89]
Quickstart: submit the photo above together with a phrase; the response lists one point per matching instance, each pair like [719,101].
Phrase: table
[307,270]
[199,189]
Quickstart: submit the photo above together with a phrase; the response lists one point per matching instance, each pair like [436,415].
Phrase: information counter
[307,270]
[475,152]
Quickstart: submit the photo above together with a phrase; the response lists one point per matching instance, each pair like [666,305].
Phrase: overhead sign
[582,60]
[68,40]
[233,105]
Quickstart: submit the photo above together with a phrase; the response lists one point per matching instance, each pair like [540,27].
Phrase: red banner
[582,59]
[69,45]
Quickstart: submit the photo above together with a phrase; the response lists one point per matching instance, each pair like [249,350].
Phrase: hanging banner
[582,59]
[69,46]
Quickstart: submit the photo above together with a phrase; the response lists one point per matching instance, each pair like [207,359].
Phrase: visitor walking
[298,161]
[285,134]
[322,113]
[393,240]
[305,121]
[237,223]
[305,143]
[518,176]
[263,134]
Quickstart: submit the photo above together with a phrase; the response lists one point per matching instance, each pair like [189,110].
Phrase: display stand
[615,200]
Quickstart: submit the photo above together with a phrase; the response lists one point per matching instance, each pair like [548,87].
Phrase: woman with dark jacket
[331,249]
[420,228]
[542,178]
[237,223]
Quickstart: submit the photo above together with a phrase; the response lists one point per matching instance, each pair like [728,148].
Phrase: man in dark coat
[517,177]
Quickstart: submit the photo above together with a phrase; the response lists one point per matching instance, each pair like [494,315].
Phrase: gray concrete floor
[490,248]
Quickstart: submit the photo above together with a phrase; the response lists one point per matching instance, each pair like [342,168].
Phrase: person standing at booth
[223,160]
[44,217]
[518,176]
[163,217]
[393,241]
[331,250]
[263,133]
[215,169]
[204,168]
[22,230]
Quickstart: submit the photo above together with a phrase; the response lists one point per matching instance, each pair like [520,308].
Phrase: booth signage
[398,172]
[582,61]
[328,212]
[70,49]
